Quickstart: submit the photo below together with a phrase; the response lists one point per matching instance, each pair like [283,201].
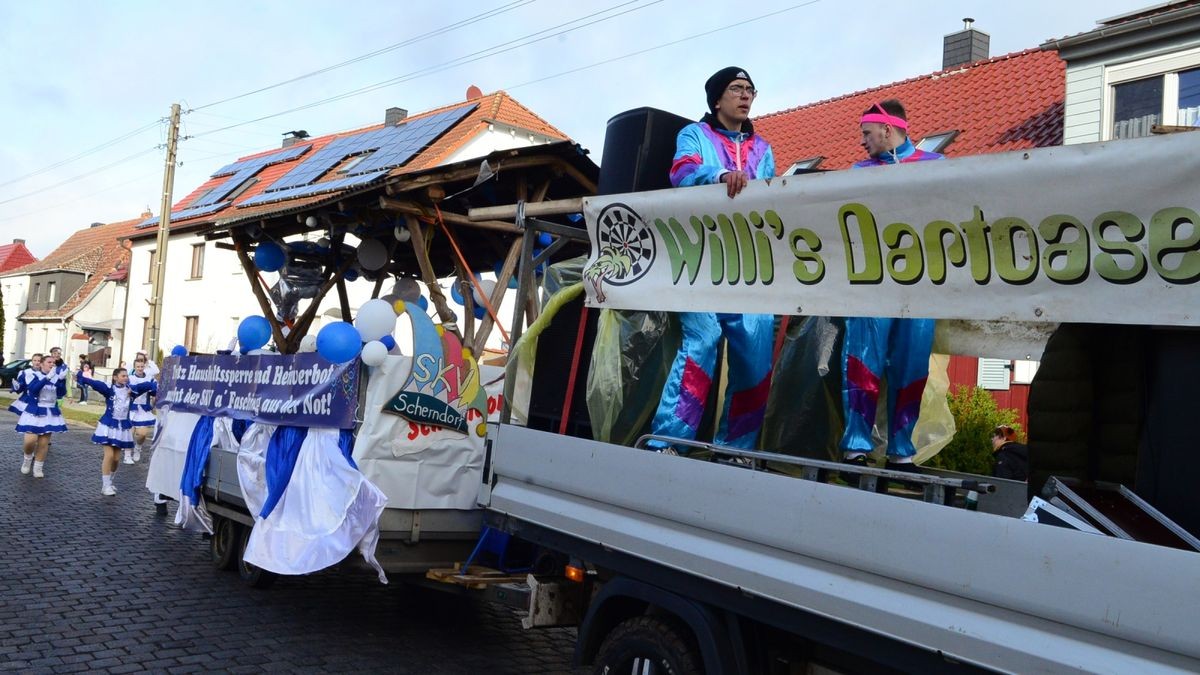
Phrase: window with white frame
[1161,90]
[803,165]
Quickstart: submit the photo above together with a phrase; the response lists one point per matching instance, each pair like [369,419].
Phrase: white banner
[1103,232]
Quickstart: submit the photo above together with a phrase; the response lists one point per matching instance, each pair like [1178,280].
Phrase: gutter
[1084,45]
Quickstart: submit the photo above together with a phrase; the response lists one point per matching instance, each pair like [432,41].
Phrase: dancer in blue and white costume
[20,384]
[141,411]
[114,430]
[41,417]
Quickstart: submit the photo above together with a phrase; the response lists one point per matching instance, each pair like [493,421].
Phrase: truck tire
[252,576]
[648,644]
[225,543]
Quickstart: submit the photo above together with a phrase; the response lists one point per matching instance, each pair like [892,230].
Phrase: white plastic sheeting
[419,466]
[327,510]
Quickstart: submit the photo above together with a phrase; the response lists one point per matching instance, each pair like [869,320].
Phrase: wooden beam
[583,180]
[505,211]
[448,216]
[427,275]
[404,183]
[264,303]
[506,272]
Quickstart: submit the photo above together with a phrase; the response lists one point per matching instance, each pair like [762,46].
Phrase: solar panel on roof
[389,147]
[183,214]
[313,189]
[243,171]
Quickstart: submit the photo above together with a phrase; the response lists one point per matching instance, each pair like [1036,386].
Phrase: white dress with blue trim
[141,411]
[114,428]
[41,414]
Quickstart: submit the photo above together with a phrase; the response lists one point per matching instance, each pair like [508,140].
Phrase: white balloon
[374,353]
[257,352]
[488,286]
[372,254]
[308,343]
[402,234]
[375,319]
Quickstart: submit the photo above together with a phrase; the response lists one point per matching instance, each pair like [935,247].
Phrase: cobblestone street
[102,583]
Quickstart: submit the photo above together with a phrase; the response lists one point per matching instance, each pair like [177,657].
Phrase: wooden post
[506,272]
[435,291]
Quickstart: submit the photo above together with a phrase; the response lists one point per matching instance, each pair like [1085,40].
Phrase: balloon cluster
[481,301]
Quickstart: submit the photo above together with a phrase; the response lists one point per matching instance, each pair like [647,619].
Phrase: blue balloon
[423,303]
[456,293]
[480,312]
[389,342]
[512,281]
[179,350]
[269,256]
[253,332]
[544,239]
[351,275]
[339,342]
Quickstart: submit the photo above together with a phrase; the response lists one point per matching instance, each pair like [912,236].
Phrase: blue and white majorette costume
[875,346]
[20,387]
[41,414]
[114,428]
[705,150]
[141,411]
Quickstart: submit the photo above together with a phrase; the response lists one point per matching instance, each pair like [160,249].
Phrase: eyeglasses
[739,89]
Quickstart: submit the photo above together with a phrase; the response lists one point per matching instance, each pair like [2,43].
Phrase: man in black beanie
[720,148]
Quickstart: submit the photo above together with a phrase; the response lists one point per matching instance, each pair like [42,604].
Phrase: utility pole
[164,228]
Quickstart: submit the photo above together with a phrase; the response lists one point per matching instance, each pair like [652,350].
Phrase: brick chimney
[394,116]
[291,138]
[966,46]
[18,241]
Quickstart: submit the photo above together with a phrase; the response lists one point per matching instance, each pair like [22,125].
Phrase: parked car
[10,370]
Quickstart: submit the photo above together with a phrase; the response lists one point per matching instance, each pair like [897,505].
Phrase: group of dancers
[123,431]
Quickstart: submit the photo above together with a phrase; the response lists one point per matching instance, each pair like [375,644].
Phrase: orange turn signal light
[575,574]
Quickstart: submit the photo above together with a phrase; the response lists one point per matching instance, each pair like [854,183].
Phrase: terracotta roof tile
[94,251]
[1004,103]
[495,107]
[15,255]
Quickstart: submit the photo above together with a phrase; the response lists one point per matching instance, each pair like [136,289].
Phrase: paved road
[100,583]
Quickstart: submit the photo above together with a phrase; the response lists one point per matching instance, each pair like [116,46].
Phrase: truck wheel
[252,576]
[225,543]
[648,644]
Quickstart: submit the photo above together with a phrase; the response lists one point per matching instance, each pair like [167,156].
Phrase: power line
[81,155]
[82,175]
[409,41]
[494,50]
[665,44]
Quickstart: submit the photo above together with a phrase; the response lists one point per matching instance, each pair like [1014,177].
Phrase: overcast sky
[75,76]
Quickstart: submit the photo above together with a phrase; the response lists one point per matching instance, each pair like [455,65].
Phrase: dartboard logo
[626,249]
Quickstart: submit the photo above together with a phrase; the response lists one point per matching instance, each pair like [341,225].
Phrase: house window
[1023,371]
[197,261]
[994,373]
[1161,90]
[36,295]
[190,324]
[51,292]
[803,166]
[937,142]
[153,262]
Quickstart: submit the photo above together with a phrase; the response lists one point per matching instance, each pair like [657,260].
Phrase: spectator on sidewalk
[84,363]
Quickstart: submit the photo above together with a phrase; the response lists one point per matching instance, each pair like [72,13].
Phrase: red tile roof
[14,255]
[497,107]
[94,251]
[1004,103]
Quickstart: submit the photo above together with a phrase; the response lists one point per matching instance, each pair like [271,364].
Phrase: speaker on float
[639,146]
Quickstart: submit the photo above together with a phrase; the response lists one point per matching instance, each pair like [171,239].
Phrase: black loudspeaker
[639,146]
[552,371]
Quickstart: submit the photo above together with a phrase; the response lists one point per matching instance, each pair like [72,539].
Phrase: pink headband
[884,117]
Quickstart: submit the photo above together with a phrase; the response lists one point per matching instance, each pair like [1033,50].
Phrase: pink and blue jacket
[904,153]
[704,150]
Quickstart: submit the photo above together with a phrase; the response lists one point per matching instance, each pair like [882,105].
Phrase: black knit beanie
[715,86]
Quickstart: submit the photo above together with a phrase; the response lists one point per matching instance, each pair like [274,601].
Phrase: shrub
[975,416]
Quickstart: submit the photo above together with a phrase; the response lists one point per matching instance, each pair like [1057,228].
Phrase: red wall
[964,371]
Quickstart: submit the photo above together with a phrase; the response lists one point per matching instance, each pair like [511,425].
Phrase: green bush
[975,416]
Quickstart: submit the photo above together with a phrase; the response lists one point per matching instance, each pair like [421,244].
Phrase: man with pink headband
[721,148]
[875,346]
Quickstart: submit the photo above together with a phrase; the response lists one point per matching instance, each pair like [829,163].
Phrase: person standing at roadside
[84,362]
[1012,458]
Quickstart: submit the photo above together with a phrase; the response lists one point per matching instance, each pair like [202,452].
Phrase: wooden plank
[550,208]
[476,576]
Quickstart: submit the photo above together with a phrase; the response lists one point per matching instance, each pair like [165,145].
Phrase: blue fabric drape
[282,452]
[346,445]
[239,428]
[197,459]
